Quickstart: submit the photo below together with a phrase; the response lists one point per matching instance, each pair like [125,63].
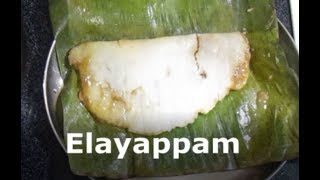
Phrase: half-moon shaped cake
[150,86]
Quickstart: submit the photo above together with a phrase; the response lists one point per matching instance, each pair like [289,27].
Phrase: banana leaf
[267,130]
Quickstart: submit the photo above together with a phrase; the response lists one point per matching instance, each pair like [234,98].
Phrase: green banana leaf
[267,130]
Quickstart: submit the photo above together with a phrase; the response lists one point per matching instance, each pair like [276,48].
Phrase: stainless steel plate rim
[60,138]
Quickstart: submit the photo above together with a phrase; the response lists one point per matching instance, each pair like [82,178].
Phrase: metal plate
[53,83]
